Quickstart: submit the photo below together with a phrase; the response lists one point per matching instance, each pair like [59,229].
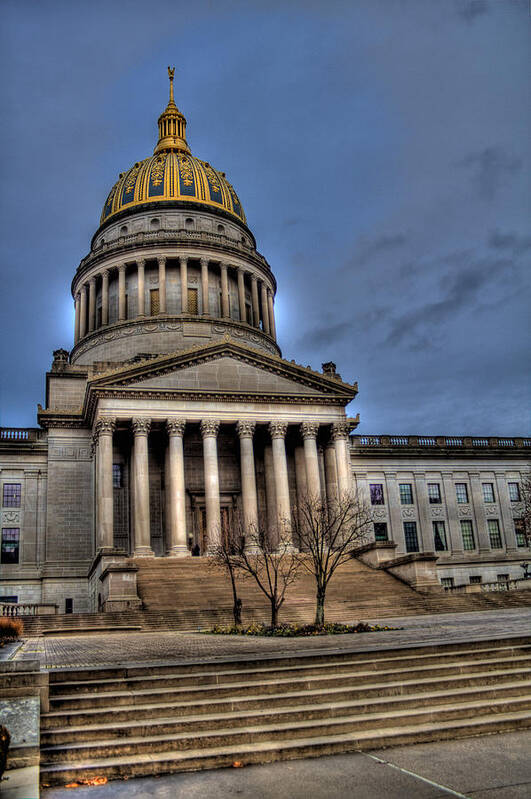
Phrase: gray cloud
[489,169]
[513,242]
[469,10]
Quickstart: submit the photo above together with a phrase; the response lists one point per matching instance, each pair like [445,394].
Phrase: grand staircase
[189,594]
[125,722]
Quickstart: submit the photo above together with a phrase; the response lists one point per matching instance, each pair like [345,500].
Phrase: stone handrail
[27,608]
[497,586]
[441,442]
[25,434]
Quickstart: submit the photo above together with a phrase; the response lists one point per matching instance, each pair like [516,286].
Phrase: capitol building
[175,413]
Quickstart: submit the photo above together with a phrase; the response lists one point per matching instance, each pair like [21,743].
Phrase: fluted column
[141,288]
[277,431]
[141,429]
[309,432]
[209,431]
[225,305]
[265,310]
[254,299]
[177,540]
[204,287]
[77,311]
[105,297]
[248,477]
[184,285]
[92,305]
[272,327]
[241,296]
[340,438]
[162,284]
[331,472]
[104,490]
[121,293]
[83,312]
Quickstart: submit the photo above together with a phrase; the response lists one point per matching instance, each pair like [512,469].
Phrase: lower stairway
[148,720]
[184,594]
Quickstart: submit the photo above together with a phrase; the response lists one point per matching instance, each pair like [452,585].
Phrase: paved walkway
[127,648]
[488,767]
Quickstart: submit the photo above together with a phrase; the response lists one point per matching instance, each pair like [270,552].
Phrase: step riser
[49,723]
[294,752]
[338,727]
[512,646]
[341,671]
[102,700]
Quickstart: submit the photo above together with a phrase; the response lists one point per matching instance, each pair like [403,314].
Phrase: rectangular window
[154,302]
[514,492]
[519,532]
[439,537]
[10,544]
[488,492]
[377,494]
[461,493]
[406,493]
[117,475]
[380,531]
[410,535]
[69,605]
[447,582]
[434,493]
[11,495]
[493,527]
[193,301]
[502,578]
[467,534]
[475,579]
[11,598]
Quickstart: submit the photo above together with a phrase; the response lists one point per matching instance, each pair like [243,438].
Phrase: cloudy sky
[381,150]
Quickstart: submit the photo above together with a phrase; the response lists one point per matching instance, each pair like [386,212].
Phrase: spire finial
[171,73]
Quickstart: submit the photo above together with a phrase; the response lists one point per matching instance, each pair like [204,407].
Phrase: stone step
[141,764]
[511,697]
[366,682]
[343,669]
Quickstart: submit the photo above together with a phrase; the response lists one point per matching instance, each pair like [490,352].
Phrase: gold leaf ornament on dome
[187,174]
[212,176]
[131,179]
[157,172]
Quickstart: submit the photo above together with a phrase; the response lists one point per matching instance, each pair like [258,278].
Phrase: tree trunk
[274,613]
[319,609]
[237,606]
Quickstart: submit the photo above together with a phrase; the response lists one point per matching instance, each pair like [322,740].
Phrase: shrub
[10,628]
[297,630]
[4,746]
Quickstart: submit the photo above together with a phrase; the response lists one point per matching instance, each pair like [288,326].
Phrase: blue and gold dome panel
[168,176]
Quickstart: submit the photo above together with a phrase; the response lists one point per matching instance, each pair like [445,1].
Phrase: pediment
[224,368]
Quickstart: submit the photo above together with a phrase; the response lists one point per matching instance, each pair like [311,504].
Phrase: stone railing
[22,434]
[440,442]
[27,608]
[177,236]
[497,586]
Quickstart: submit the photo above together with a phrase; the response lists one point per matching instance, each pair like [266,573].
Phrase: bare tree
[274,565]
[329,533]
[226,557]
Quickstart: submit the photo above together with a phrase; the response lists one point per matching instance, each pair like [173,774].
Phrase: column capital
[278,429]
[141,426]
[92,281]
[161,259]
[175,427]
[223,266]
[340,430]
[253,277]
[245,429]
[105,274]
[140,262]
[309,429]
[204,261]
[77,297]
[122,267]
[209,427]
[105,426]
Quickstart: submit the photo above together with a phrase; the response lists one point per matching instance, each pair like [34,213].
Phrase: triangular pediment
[225,367]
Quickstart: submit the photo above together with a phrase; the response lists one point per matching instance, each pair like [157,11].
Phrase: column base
[179,551]
[143,552]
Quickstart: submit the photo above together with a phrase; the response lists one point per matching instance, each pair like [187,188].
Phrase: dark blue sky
[380,148]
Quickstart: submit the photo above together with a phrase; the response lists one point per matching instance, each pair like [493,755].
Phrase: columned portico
[177,543]
[104,489]
[209,431]
[141,428]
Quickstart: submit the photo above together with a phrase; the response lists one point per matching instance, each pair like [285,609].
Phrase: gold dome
[172,174]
